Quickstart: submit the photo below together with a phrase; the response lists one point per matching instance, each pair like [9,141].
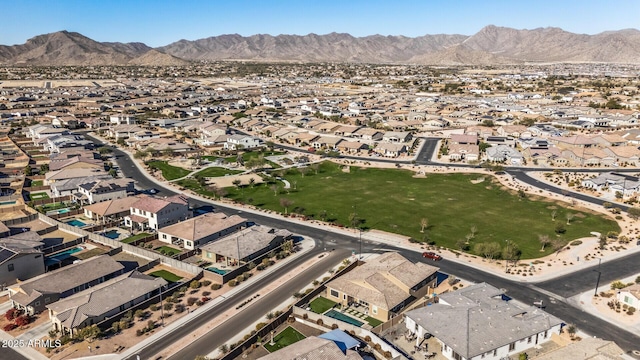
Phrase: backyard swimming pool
[59,257]
[76,223]
[8,202]
[342,317]
[112,234]
[217,271]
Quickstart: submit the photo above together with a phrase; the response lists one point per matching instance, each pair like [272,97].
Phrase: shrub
[239,278]
[560,229]
[215,286]
[124,324]
[576,243]
[139,314]
[260,325]
[9,327]
[12,314]
[334,326]
[319,322]
[191,301]
[367,338]
[232,283]
[206,283]
[167,306]
[154,307]
[618,285]
[199,303]
[387,354]
[23,320]
[139,332]
[194,284]
[179,308]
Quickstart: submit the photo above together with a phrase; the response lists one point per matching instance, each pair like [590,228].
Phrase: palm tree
[285,203]
[570,217]
[252,182]
[544,240]
[424,223]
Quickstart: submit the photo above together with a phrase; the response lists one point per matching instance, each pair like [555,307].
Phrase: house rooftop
[245,242]
[204,225]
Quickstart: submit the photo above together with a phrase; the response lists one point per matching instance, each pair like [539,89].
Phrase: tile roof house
[244,245]
[34,294]
[200,230]
[151,212]
[630,296]
[103,301]
[110,209]
[383,285]
[479,321]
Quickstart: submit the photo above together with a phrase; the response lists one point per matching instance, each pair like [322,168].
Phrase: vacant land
[454,206]
[169,172]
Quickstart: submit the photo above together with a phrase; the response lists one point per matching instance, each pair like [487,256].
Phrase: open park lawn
[285,338]
[393,200]
[321,304]
[169,172]
[216,172]
[167,275]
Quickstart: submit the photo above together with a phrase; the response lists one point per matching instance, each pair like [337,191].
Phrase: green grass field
[321,304]
[135,237]
[37,183]
[393,200]
[373,321]
[168,250]
[39,196]
[216,172]
[285,338]
[167,275]
[169,172]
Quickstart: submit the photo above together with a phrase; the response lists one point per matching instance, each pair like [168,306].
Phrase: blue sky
[160,22]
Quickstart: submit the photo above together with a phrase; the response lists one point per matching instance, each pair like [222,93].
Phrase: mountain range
[491,45]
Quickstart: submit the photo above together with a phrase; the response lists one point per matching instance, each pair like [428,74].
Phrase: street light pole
[506,261]
[599,273]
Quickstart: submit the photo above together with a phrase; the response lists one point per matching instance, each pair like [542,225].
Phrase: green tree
[44,168]
[544,241]
[28,171]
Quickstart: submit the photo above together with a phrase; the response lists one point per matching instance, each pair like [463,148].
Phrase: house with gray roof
[21,257]
[103,301]
[313,348]
[480,322]
[34,294]
[244,245]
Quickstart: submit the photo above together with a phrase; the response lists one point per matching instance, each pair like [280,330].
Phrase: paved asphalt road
[567,285]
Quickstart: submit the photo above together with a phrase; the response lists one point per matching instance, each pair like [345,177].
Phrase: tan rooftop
[202,226]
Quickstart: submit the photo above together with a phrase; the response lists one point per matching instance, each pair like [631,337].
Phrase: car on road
[431,255]
[152,191]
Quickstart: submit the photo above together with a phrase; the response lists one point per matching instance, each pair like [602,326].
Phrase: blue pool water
[217,271]
[113,234]
[342,317]
[59,257]
[76,223]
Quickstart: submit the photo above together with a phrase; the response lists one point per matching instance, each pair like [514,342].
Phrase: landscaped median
[169,172]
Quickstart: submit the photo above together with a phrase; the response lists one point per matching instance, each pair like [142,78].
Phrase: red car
[431,255]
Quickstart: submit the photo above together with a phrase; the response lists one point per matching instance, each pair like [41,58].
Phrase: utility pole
[506,261]
[599,273]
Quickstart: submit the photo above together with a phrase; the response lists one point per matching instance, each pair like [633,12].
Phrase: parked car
[431,255]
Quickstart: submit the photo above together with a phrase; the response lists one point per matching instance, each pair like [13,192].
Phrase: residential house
[238,141]
[613,182]
[397,136]
[467,152]
[383,286]
[464,139]
[369,134]
[480,322]
[390,149]
[122,119]
[103,301]
[109,210]
[153,213]
[56,143]
[352,147]
[195,232]
[21,257]
[34,294]
[123,131]
[98,190]
[630,296]
[624,155]
[514,131]
[65,174]
[37,132]
[243,246]
[70,186]
[503,153]
[326,142]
